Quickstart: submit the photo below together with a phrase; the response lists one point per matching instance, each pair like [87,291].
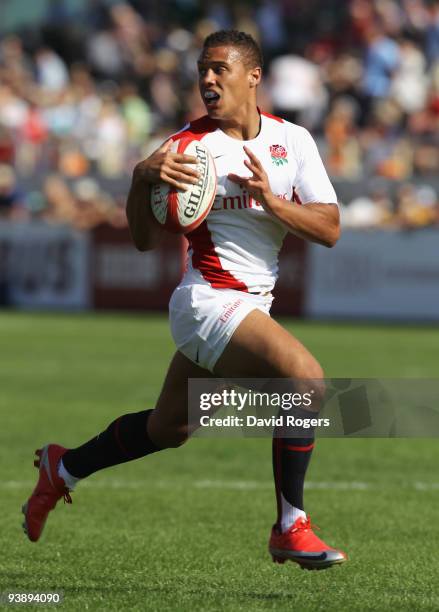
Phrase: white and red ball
[181,211]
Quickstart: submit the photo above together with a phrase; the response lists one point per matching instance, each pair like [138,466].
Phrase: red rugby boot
[300,544]
[50,488]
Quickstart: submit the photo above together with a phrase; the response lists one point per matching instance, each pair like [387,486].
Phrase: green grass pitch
[187,529]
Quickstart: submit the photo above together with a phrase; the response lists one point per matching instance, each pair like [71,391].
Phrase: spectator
[410,83]
[416,206]
[51,72]
[111,139]
[372,210]
[136,114]
[11,197]
[297,91]
[382,59]
[271,24]
[432,33]
[343,156]
[7,149]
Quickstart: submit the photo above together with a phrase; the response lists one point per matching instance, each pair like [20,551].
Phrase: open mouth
[210,98]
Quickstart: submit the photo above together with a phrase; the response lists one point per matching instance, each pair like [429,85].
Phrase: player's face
[225,81]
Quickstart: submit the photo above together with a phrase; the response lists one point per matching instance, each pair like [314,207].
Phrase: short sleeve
[312,183]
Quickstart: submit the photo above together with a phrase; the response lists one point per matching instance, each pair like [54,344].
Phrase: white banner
[377,273]
[44,266]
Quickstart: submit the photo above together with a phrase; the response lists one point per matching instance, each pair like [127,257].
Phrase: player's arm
[317,221]
[314,221]
[160,166]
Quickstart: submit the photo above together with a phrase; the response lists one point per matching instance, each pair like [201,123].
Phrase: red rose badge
[278,155]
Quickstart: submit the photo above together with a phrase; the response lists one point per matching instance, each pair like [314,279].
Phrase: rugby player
[271,181]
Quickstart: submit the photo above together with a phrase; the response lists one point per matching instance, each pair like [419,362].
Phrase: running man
[271,181]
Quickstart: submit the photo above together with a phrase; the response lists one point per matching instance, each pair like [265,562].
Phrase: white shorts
[203,319]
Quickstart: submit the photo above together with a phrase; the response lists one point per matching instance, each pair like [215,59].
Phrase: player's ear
[254,76]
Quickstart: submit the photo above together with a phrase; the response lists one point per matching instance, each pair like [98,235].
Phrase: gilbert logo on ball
[180,211]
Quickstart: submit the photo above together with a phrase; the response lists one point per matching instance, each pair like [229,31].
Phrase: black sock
[291,458]
[125,439]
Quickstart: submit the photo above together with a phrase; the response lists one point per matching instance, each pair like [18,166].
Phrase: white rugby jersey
[237,245]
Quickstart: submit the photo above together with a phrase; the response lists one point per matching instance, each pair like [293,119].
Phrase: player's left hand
[256,185]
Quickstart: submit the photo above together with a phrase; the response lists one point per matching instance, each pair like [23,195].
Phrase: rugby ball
[181,211]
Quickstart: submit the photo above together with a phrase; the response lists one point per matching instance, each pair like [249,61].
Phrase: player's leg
[260,347]
[136,435]
[129,437]
[168,424]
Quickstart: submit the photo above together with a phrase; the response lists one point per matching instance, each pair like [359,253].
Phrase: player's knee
[310,381]
[177,437]
[319,388]
[313,369]
[167,435]
[302,366]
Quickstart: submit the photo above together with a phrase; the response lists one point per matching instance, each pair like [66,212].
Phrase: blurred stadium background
[87,88]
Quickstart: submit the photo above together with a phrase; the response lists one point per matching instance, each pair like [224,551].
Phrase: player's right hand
[167,167]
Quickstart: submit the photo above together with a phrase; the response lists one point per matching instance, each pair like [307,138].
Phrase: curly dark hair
[251,52]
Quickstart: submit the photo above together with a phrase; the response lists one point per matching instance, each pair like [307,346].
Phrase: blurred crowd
[88,92]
